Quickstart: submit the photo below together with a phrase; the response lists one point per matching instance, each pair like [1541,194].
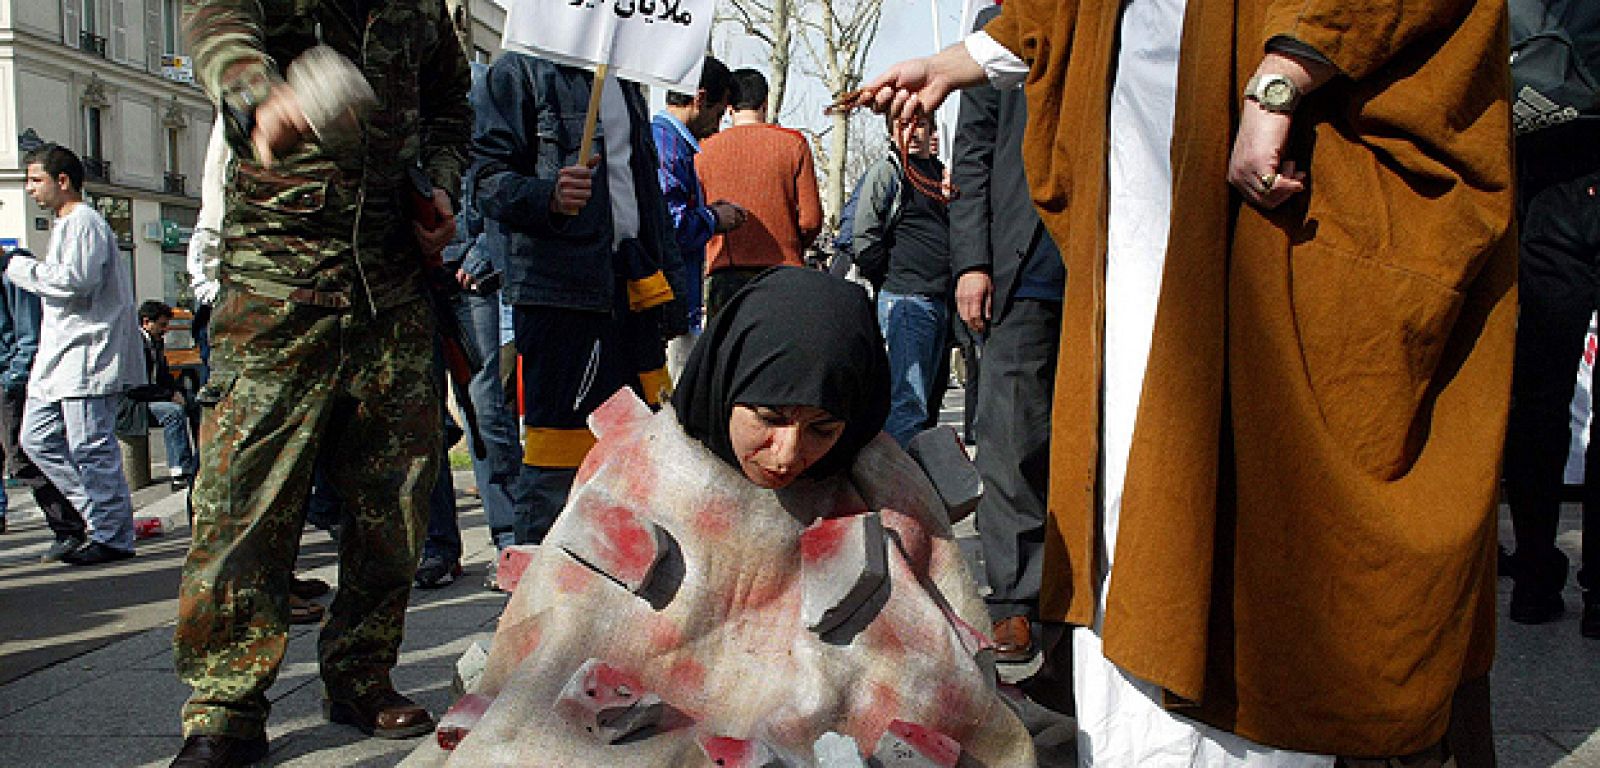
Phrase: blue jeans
[484,320]
[174,421]
[444,535]
[914,328]
[73,443]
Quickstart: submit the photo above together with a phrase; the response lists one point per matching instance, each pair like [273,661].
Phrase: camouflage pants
[292,381]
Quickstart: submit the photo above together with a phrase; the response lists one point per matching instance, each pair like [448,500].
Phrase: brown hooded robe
[1306,547]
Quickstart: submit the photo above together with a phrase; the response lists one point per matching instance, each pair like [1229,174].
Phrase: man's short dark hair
[715,80]
[752,88]
[154,310]
[56,160]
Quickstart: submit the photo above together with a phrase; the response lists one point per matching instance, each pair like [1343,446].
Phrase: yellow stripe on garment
[657,385]
[647,292]
[555,448]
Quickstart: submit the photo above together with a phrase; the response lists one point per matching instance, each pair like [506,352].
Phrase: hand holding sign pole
[654,42]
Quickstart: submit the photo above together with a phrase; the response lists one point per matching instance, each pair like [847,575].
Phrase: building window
[89,37]
[175,180]
[172,26]
[95,166]
[91,133]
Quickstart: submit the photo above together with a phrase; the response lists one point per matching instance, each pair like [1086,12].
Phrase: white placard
[655,42]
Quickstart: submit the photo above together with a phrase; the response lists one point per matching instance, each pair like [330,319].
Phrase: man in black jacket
[590,264]
[1009,286]
[161,398]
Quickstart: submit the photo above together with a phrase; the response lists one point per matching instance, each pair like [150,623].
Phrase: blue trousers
[73,442]
[174,421]
[485,319]
[914,328]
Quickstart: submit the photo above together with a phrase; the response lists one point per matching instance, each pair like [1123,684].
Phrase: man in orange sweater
[767,171]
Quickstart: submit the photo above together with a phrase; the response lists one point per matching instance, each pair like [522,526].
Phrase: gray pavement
[86,674]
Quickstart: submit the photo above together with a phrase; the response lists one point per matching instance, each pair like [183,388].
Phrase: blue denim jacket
[529,127]
[19,336]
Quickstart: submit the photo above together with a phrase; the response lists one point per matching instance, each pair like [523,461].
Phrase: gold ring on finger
[1268,180]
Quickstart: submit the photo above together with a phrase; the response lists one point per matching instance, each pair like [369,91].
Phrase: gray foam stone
[944,459]
[843,563]
[836,750]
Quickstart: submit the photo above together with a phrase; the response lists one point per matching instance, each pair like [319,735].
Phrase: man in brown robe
[1305,530]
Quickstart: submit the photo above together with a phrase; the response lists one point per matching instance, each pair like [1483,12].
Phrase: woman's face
[777,443]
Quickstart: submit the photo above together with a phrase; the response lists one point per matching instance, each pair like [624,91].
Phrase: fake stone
[469,668]
[843,564]
[836,750]
[513,561]
[942,456]
[458,722]
[908,745]
[609,703]
[728,752]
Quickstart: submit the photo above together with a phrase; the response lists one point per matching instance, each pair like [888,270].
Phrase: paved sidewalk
[86,673]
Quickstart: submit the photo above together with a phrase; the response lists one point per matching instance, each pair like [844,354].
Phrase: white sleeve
[1004,68]
[82,263]
[205,244]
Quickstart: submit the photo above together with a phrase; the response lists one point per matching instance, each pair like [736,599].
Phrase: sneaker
[96,554]
[60,549]
[435,572]
[491,576]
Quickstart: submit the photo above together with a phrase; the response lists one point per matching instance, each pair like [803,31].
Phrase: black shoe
[63,547]
[2,525]
[308,589]
[1589,626]
[95,554]
[435,572]
[181,482]
[220,752]
[1529,607]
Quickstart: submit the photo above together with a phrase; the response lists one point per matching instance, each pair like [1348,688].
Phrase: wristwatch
[241,97]
[1275,93]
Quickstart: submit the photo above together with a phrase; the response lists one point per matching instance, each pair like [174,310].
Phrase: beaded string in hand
[933,188]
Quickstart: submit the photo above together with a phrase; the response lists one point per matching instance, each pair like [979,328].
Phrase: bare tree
[837,42]
[772,23]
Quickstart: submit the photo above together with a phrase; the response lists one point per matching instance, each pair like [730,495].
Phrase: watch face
[1277,92]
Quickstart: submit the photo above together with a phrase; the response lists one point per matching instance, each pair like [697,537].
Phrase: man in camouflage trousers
[322,342]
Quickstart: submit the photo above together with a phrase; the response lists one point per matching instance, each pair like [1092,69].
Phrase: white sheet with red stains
[661,621]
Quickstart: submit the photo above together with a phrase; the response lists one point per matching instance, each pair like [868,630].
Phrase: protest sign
[654,42]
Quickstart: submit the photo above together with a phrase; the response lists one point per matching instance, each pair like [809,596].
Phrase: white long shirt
[89,337]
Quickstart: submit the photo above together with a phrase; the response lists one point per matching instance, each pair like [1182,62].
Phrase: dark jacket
[530,127]
[471,250]
[993,222]
[19,336]
[159,384]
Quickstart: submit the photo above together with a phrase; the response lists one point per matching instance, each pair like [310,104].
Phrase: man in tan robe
[1304,531]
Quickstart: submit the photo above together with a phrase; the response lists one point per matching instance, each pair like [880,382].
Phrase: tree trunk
[838,152]
[782,50]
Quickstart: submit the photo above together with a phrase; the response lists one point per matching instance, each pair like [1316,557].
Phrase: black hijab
[792,336]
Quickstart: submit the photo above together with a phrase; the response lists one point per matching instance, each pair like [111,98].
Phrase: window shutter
[155,42]
[71,22]
[119,30]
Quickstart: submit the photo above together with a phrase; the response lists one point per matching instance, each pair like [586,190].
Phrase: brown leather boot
[220,752]
[1013,640]
[383,713]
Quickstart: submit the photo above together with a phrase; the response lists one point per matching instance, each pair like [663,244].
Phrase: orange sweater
[767,170]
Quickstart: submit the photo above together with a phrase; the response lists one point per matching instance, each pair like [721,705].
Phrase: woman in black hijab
[790,380]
